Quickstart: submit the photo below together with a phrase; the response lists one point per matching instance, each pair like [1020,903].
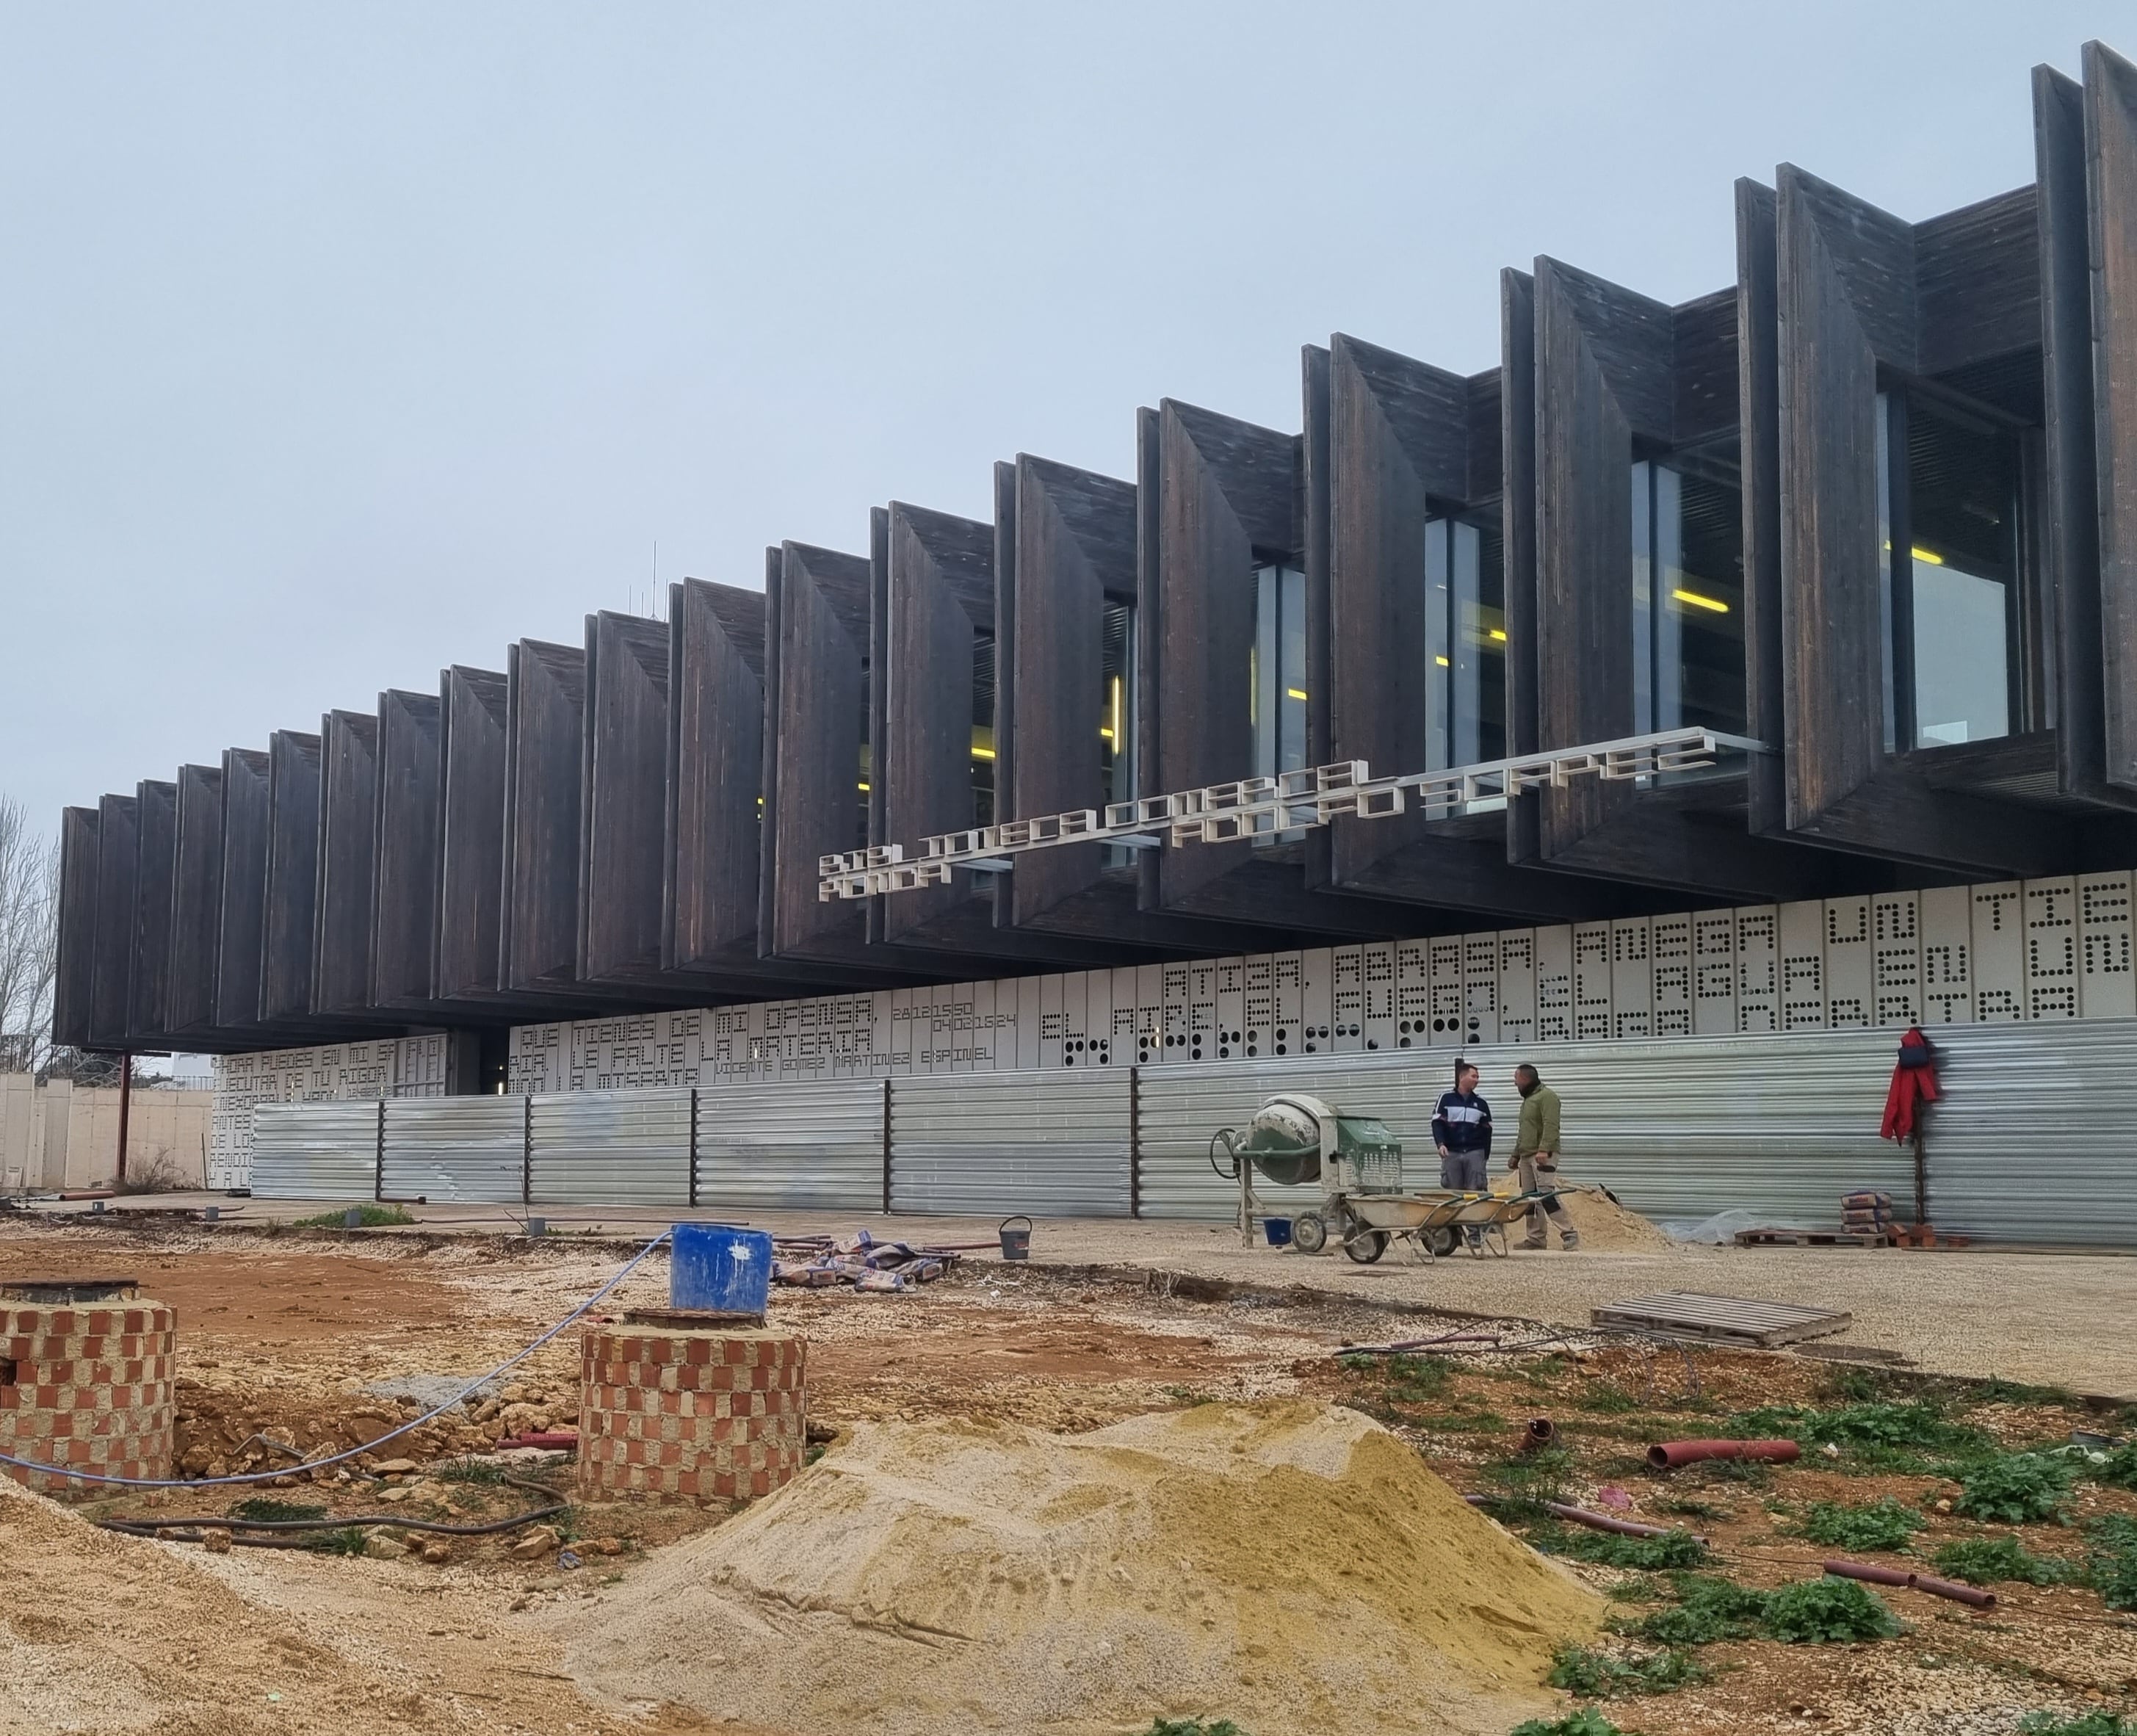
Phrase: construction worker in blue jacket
[1462,1129]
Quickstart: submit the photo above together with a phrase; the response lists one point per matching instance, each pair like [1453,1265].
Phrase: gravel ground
[2046,1318]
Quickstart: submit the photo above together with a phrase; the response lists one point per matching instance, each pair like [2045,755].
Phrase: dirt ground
[1986,1312]
[316,1339]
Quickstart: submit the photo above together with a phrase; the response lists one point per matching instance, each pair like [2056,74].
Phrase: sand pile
[1608,1227]
[1293,1567]
[107,1633]
[1605,1226]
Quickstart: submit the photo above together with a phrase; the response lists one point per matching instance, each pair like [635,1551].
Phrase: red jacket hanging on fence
[1913,1083]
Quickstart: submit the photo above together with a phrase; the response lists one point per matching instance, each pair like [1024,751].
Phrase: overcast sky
[338,343]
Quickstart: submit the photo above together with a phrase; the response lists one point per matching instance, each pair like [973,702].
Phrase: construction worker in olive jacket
[1535,1156]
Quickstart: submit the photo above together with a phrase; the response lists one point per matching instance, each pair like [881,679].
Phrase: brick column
[677,1415]
[87,1386]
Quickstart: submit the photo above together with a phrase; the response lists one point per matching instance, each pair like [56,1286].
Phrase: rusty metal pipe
[1867,1574]
[1605,1522]
[1669,1455]
[1971,1595]
[1542,1433]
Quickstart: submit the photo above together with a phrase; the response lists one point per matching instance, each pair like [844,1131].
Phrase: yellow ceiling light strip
[1927,558]
[1697,602]
[1293,693]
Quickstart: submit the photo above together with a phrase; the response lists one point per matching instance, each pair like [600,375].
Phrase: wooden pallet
[1722,1320]
[1813,1238]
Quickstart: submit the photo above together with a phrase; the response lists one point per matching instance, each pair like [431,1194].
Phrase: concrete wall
[57,1136]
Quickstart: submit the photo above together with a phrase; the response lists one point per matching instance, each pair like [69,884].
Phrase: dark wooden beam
[156,859]
[293,870]
[2110,140]
[1517,533]
[349,843]
[195,902]
[405,886]
[1850,299]
[474,709]
[819,703]
[716,775]
[1065,546]
[75,969]
[1759,397]
[939,585]
[544,745]
[623,835]
[1620,376]
[111,989]
[1407,442]
[1222,497]
[242,922]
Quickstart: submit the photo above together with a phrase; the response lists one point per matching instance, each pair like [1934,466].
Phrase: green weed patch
[1588,1674]
[367,1218]
[1827,1611]
[1883,1524]
[2016,1489]
[1992,1560]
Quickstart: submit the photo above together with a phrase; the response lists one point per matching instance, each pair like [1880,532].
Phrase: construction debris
[822,1263]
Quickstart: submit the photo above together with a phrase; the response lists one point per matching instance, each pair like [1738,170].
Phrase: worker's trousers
[1534,1174]
[1463,1171]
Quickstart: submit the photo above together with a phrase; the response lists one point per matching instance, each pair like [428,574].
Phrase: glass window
[983,729]
[1949,608]
[1116,756]
[1117,777]
[1277,701]
[861,818]
[1465,672]
[1688,598]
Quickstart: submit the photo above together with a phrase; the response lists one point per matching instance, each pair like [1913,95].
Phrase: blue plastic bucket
[718,1268]
[1278,1230]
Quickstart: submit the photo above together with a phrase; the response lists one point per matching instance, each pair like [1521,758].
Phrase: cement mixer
[1294,1139]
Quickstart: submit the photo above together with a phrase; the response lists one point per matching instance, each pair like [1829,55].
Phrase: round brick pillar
[676,1414]
[87,1385]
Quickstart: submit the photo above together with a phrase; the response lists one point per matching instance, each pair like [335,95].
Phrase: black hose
[145,1528]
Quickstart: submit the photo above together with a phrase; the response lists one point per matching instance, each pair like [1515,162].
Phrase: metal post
[694,1148]
[1135,1142]
[125,1107]
[378,1154]
[886,1146]
[527,1153]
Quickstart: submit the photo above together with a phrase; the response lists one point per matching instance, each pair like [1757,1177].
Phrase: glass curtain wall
[1687,599]
[1465,629]
[1950,607]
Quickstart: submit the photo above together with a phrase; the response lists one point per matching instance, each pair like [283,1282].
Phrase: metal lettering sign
[1251,809]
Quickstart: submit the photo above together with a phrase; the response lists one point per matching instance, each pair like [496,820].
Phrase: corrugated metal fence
[2035,1142]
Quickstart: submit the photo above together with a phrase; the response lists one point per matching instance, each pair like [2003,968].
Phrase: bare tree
[29,940]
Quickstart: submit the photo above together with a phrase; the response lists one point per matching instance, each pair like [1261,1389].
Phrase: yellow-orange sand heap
[1293,1567]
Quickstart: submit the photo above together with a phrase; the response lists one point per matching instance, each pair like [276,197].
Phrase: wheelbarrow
[1435,1222]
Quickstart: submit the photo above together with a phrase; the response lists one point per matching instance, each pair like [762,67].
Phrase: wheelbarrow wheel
[1443,1241]
[1367,1247]
[1309,1233]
